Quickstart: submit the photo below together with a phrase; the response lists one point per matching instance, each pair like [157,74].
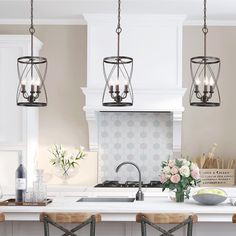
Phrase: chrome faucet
[139,194]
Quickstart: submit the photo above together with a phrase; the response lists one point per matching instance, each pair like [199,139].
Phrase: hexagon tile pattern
[143,138]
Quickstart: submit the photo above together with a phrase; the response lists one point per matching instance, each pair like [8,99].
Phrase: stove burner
[128,184]
[134,184]
[111,183]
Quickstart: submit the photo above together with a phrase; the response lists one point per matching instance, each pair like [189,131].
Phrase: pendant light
[118,73]
[205,73]
[32,71]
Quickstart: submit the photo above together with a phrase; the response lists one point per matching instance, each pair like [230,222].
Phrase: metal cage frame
[31,63]
[118,64]
[206,62]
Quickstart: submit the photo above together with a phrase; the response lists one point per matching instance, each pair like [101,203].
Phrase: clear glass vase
[65,175]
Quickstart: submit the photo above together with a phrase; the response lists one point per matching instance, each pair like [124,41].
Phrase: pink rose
[171,163]
[174,170]
[195,173]
[163,178]
[175,178]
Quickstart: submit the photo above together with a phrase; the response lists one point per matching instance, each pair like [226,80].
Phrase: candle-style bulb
[111,86]
[126,87]
[197,81]
[206,80]
[117,85]
[23,86]
[212,82]
[37,82]
[117,82]
[206,83]
[23,82]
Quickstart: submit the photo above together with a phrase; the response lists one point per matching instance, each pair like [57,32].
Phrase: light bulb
[197,81]
[212,82]
[117,85]
[206,81]
[117,82]
[23,82]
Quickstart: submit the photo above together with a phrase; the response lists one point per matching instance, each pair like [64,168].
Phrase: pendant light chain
[205,29]
[118,29]
[118,72]
[32,72]
[32,29]
[205,71]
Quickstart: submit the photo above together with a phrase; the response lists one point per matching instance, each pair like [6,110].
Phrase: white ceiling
[219,11]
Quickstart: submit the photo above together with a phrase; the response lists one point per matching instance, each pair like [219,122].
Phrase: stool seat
[167,218]
[155,219]
[234,218]
[59,217]
[2,217]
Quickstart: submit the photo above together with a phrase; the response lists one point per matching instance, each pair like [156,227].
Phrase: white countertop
[155,201]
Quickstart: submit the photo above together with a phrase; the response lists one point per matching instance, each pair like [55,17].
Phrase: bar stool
[234,218]
[82,219]
[2,217]
[153,220]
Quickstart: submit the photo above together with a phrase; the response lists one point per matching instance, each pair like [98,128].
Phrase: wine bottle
[20,181]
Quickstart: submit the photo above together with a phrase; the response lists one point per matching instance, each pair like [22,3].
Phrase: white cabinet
[18,125]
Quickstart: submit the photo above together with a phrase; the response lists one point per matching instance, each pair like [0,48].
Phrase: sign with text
[217,177]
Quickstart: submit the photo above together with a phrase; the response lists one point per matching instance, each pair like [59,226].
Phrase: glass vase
[179,196]
[65,175]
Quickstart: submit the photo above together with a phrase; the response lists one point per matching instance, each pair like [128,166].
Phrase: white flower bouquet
[65,161]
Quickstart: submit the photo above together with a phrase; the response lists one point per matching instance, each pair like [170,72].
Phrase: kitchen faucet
[139,194]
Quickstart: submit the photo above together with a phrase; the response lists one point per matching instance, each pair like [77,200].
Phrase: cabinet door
[11,116]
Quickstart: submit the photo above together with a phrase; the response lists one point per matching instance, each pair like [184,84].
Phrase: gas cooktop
[128,184]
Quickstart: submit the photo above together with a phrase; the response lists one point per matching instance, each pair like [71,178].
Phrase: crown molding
[82,21]
[210,23]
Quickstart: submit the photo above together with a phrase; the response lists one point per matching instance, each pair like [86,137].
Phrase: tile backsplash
[140,137]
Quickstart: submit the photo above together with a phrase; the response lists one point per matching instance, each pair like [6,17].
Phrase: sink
[106,199]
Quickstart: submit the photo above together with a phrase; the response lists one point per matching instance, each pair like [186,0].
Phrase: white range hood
[155,43]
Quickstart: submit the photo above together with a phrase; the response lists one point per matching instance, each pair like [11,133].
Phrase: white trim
[210,23]
[82,21]
[169,100]
[135,19]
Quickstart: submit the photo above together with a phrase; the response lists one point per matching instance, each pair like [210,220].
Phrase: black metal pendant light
[118,73]
[32,71]
[205,73]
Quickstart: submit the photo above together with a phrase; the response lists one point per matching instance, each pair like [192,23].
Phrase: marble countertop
[155,201]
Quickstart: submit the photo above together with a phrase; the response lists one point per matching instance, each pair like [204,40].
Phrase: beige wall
[204,126]
[63,121]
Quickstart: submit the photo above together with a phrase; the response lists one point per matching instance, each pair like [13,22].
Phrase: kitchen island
[119,218]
